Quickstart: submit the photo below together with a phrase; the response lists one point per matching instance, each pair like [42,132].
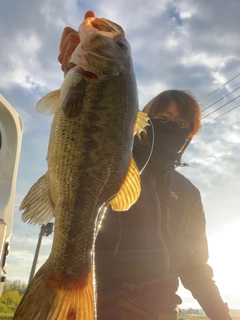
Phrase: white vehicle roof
[11,128]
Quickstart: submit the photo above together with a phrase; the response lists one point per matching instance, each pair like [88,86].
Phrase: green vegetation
[6,316]
[191,314]
[10,298]
[192,318]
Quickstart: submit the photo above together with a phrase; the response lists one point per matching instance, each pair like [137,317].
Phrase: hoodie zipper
[159,233]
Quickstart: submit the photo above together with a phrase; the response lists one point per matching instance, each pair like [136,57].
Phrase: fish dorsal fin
[129,191]
[48,104]
[140,123]
[37,205]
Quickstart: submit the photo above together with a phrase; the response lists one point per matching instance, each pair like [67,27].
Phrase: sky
[187,45]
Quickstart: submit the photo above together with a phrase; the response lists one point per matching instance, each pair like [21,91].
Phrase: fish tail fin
[50,298]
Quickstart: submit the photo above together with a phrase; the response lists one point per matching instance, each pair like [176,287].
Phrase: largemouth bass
[89,165]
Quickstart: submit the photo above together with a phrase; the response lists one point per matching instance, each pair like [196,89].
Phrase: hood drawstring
[160,236]
[166,199]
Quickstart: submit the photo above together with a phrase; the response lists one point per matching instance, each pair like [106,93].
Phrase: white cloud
[29,44]
[186,14]
[202,58]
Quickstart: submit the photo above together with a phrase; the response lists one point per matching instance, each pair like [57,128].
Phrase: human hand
[69,41]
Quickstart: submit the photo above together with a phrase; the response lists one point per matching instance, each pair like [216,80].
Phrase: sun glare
[225,261]
[225,258]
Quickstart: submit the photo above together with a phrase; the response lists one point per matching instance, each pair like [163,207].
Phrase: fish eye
[122,45]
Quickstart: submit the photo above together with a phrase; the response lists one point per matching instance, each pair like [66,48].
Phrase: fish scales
[89,164]
[94,156]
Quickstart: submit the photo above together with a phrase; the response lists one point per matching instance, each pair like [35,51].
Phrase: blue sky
[185,44]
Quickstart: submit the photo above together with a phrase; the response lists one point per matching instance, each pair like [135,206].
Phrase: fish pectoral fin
[48,104]
[141,122]
[37,205]
[129,191]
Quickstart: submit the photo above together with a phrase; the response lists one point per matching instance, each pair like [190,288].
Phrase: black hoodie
[161,237]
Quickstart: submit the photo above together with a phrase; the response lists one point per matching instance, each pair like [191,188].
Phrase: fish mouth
[85,73]
[88,74]
[102,26]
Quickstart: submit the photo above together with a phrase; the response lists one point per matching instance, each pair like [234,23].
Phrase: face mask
[170,140]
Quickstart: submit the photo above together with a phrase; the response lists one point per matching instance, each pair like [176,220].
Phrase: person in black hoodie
[141,254]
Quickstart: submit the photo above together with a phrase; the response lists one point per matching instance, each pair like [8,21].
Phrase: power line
[221,99]
[20,251]
[220,116]
[220,107]
[220,87]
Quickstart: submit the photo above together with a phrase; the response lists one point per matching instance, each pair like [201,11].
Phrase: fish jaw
[103,50]
[101,26]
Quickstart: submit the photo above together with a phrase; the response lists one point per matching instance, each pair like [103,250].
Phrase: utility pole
[45,230]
